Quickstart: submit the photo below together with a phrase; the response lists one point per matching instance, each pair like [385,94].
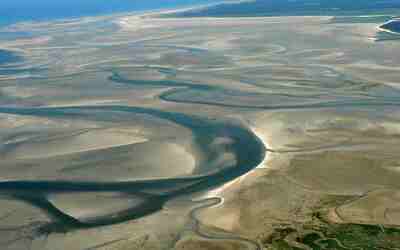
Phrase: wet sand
[197,133]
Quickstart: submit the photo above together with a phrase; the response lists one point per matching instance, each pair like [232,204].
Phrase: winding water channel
[247,148]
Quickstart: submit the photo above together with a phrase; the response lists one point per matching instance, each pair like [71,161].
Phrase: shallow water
[194,132]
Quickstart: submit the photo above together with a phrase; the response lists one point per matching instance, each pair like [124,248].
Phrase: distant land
[289,7]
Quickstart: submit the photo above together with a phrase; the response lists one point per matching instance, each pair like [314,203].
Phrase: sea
[13,11]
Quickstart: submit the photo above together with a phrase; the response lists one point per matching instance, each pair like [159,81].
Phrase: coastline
[322,109]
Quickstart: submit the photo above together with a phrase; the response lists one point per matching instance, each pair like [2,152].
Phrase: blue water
[393,26]
[8,57]
[297,7]
[12,11]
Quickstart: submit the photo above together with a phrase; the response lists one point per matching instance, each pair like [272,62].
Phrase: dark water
[8,57]
[393,26]
[299,7]
[246,146]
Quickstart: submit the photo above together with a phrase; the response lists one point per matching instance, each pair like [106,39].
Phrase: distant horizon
[14,11]
[46,10]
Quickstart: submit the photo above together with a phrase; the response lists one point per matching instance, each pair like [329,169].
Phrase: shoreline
[113,14]
[170,188]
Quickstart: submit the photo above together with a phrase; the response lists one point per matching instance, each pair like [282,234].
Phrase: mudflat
[141,132]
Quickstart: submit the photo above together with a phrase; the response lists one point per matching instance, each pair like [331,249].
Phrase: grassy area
[319,234]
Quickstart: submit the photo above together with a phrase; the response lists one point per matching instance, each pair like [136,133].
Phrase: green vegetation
[322,235]
[352,236]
